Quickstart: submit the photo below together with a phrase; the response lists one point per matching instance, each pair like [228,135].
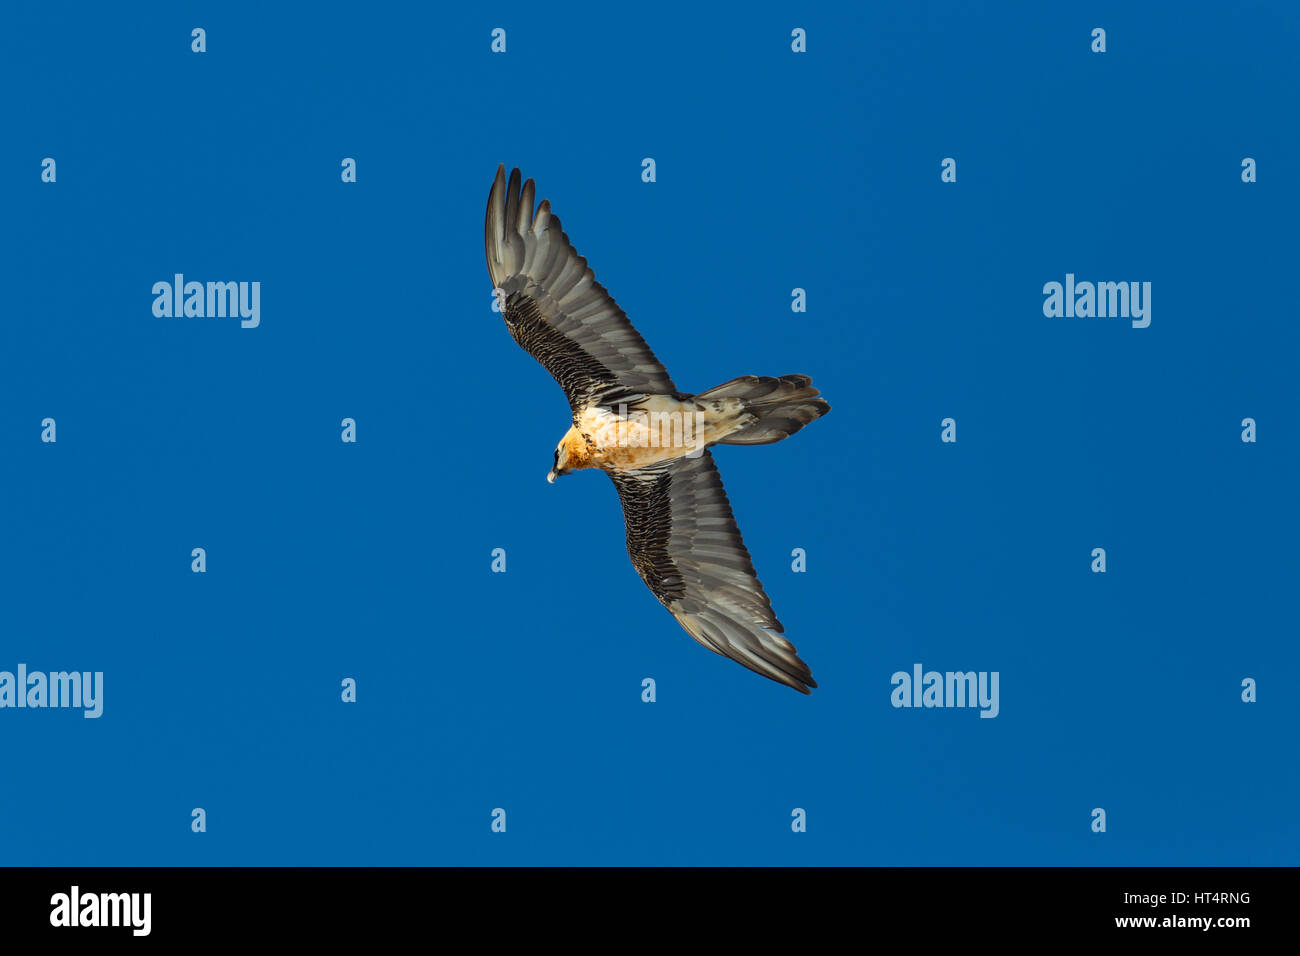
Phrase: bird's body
[630,421]
[658,429]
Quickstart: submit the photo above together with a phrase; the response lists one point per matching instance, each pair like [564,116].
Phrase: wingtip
[802,682]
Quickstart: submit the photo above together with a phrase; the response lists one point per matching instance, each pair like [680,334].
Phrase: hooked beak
[550,476]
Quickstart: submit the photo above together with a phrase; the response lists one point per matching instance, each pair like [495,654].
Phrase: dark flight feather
[554,307]
[684,542]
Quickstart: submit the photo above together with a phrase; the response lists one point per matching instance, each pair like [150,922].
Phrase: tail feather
[781,406]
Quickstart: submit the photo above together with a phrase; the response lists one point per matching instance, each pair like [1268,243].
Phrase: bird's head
[568,454]
[557,468]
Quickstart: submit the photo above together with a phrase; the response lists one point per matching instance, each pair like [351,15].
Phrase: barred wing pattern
[683,540]
[554,307]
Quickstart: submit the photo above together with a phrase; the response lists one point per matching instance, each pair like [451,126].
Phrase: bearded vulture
[630,421]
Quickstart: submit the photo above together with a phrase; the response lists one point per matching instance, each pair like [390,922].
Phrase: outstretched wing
[555,308]
[683,540]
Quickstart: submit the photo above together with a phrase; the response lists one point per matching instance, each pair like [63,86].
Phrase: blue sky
[522,690]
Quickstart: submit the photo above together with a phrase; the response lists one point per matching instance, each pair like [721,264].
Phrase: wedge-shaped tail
[783,406]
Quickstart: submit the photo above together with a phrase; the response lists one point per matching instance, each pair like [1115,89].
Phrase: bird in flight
[630,421]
